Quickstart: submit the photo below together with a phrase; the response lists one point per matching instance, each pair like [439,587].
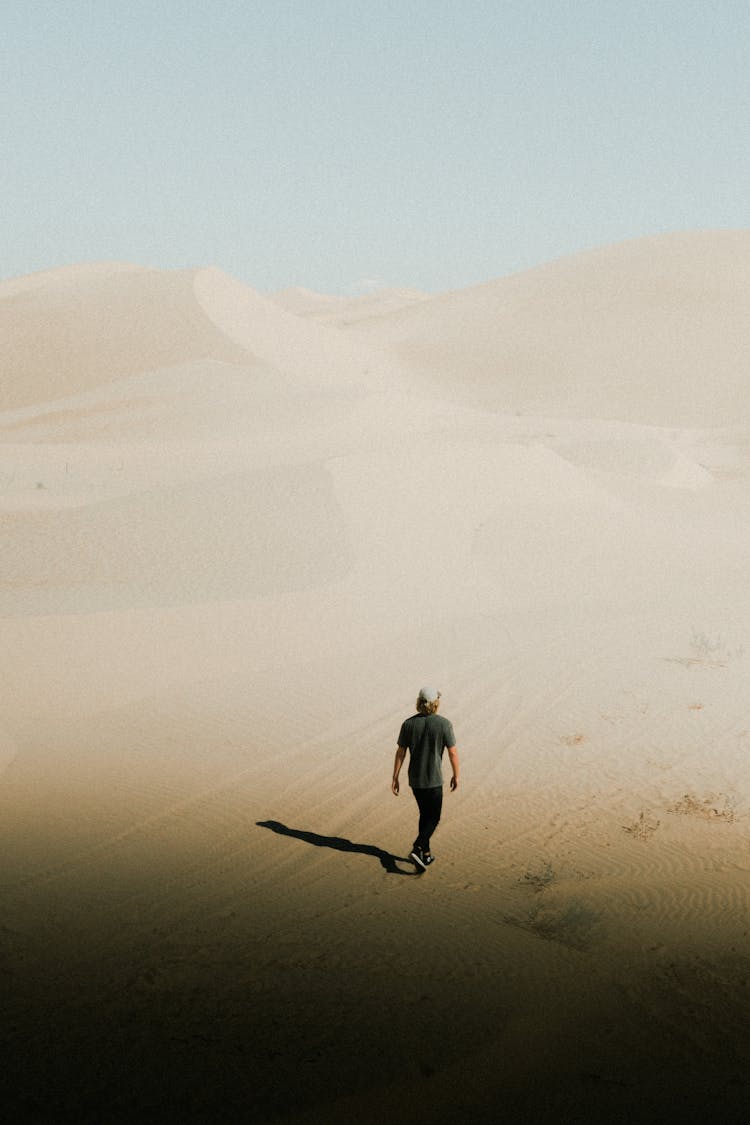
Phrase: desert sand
[239,532]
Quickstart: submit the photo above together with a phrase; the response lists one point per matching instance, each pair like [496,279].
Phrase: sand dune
[239,532]
[73,330]
[652,331]
[345,310]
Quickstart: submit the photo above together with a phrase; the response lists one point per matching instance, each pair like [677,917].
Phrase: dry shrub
[710,808]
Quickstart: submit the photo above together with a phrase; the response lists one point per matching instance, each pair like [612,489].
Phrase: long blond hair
[427,707]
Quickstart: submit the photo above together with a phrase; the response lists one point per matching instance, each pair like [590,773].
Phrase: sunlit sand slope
[654,331]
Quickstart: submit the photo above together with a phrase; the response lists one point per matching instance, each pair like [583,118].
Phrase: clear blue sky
[344,143]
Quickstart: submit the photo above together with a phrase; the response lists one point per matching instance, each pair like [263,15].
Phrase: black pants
[430,803]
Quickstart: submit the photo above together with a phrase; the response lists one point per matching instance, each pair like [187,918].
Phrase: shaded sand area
[238,533]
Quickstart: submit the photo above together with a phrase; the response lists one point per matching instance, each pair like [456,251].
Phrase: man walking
[426,735]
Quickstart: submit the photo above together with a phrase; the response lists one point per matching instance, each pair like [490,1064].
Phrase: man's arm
[453,755]
[400,755]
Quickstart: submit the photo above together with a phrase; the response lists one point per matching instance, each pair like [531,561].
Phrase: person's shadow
[387,861]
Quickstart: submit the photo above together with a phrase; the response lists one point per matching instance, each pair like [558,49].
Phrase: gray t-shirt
[425,737]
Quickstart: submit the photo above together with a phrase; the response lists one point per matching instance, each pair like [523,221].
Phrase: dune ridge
[239,532]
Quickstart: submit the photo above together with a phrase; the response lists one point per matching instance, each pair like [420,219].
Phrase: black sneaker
[418,856]
[427,859]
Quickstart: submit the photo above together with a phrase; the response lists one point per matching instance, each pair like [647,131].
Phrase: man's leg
[430,802]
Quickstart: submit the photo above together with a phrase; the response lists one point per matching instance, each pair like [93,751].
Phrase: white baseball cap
[429,695]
